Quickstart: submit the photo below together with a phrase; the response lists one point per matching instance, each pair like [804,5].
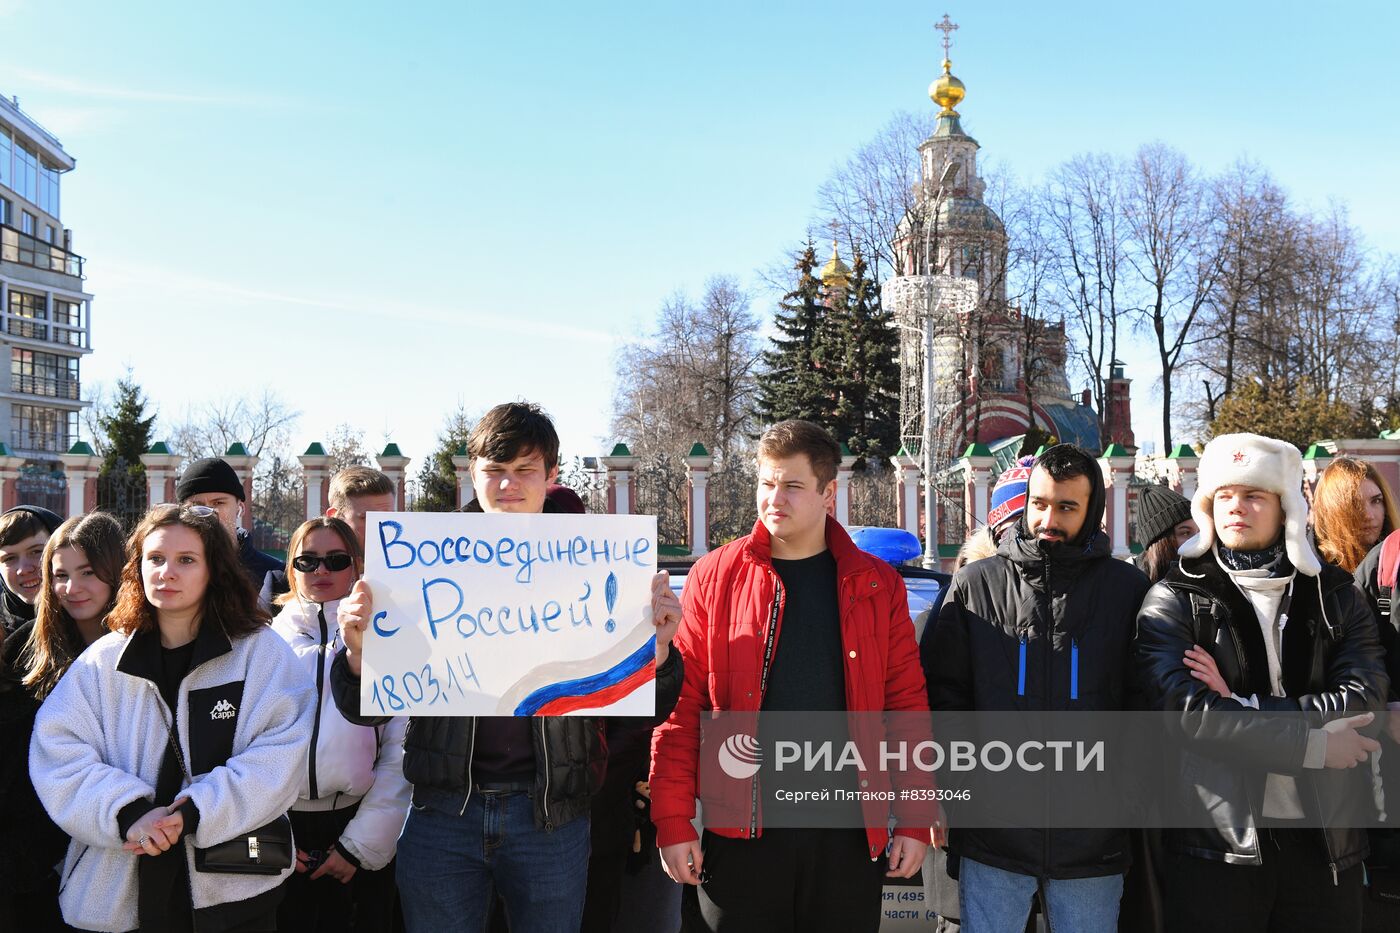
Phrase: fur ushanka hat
[1264,463]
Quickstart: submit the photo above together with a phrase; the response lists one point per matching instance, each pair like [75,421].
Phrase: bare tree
[99,408]
[261,423]
[1257,243]
[1030,265]
[1303,315]
[1174,245]
[346,447]
[877,190]
[1083,202]
[693,378]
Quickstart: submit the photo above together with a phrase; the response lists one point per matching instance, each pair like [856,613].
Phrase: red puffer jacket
[728,602]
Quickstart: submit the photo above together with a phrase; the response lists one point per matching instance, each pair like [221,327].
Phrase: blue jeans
[451,866]
[997,901]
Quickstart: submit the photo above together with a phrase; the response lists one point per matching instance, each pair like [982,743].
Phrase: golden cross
[947,26]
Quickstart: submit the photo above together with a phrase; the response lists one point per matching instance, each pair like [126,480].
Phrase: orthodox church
[996,372]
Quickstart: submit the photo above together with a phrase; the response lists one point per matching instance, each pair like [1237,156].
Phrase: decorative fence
[585,476]
[874,497]
[733,506]
[43,486]
[663,489]
[122,493]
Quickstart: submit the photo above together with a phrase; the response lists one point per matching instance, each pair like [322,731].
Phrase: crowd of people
[182,745]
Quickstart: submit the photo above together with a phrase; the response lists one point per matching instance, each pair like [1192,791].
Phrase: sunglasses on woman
[307,563]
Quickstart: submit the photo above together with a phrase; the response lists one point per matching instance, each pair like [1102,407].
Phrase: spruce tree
[128,431]
[437,480]
[865,370]
[794,385]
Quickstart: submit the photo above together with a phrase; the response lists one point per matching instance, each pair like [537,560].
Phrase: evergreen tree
[1297,413]
[128,431]
[861,359]
[794,385]
[437,481]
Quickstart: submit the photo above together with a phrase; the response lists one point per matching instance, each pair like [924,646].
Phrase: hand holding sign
[355,612]
[665,614]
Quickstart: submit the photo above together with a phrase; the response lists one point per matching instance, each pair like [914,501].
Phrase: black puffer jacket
[1331,661]
[1059,599]
[30,844]
[570,751]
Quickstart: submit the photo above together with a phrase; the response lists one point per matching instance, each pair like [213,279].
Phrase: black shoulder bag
[266,850]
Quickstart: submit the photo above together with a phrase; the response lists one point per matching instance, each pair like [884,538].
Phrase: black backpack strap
[1204,625]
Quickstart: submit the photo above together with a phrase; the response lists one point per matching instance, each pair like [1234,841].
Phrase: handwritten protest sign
[509,615]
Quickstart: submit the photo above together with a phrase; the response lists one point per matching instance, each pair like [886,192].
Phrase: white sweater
[1265,595]
[362,763]
[98,743]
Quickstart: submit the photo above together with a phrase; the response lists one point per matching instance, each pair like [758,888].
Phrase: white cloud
[74,121]
[75,87]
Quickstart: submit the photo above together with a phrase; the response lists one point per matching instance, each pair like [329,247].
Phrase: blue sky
[381,213]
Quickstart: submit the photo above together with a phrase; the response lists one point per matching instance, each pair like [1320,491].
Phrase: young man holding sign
[793,617]
[501,803]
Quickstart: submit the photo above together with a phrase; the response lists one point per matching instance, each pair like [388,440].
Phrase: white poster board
[509,615]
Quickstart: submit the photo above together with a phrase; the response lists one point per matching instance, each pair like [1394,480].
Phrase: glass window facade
[27,221]
[67,313]
[27,304]
[67,323]
[6,211]
[28,314]
[36,373]
[26,173]
[48,190]
[34,427]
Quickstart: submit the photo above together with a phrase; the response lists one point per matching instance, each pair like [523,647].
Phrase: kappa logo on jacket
[223,710]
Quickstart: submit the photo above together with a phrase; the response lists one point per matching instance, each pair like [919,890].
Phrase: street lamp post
[945,179]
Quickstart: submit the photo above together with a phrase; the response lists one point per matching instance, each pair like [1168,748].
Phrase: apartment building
[44,311]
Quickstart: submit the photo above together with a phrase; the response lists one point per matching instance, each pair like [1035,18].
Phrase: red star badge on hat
[1241,457]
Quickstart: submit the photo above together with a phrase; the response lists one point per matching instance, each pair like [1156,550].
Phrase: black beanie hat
[206,476]
[47,517]
[1160,509]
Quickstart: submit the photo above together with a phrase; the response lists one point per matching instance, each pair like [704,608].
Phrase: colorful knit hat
[1009,494]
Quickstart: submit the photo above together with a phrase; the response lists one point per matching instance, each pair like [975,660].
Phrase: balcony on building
[24,249]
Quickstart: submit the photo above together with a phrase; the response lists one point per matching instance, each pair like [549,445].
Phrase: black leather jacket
[570,751]
[1331,661]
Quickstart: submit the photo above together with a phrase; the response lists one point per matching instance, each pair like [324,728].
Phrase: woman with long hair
[180,732]
[353,798]
[1164,523]
[1353,508]
[80,569]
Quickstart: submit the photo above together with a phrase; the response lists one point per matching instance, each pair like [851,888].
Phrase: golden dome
[947,92]
[836,274]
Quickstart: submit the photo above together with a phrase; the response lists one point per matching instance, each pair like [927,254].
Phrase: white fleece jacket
[98,744]
[357,761]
